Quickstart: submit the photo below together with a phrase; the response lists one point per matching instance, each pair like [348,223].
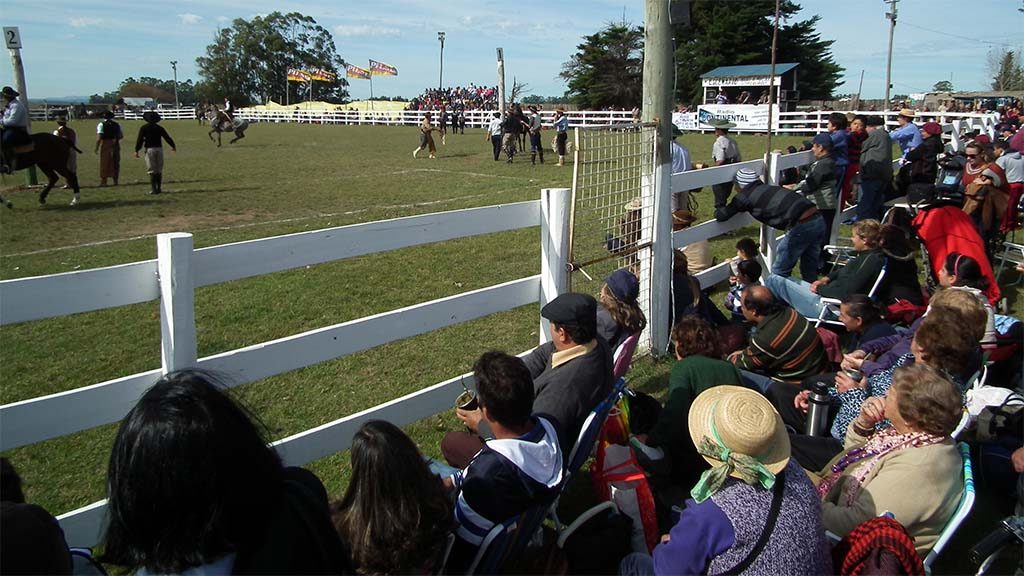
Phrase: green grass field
[280,179]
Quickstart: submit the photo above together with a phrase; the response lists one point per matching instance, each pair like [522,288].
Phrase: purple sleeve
[702,533]
[893,346]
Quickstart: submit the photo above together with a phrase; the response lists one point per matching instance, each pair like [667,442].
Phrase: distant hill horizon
[58,100]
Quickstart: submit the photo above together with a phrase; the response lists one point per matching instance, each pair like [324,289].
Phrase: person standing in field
[723,151]
[426,136]
[494,134]
[151,135]
[535,143]
[561,125]
[108,146]
[65,132]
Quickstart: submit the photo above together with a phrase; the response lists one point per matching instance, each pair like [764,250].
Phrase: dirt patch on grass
[192,222]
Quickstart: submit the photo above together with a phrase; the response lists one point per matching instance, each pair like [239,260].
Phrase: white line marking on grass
[261,223]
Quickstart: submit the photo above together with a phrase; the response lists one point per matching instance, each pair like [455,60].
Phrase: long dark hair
[189,478]
[967,271]
[395,515]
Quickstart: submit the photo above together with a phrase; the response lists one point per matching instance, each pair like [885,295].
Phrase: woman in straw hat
[884,468]
[754,511]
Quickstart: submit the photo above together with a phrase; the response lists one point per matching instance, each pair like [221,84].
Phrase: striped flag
[322,75]
[353,71]
[296,75]
[382,69]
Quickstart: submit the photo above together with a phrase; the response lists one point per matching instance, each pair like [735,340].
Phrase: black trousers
[496,143]
[811,452]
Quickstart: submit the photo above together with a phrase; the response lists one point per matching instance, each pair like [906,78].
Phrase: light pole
[888,69]
[440,74]
[174,67]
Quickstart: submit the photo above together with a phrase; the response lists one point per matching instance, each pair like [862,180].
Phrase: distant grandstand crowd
[470,97]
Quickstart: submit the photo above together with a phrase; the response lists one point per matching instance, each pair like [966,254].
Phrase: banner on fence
[296,75]
[685,120]
[353,71]
[744,116]
[382,69]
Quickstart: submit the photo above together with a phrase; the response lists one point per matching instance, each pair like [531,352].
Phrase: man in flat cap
[571,375]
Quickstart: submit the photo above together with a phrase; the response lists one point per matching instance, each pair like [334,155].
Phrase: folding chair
[1012,253]
[507,540]
[962,511]
[831,305]
[624,355]
[587,441]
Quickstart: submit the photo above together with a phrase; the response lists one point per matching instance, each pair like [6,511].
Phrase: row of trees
[158,89]
[606,69]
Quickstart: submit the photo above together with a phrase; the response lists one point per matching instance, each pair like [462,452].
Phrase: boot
[159,183]
[541,155]
[152,184]
[533,158]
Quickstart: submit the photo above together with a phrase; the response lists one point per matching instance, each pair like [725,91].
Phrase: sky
[82,47]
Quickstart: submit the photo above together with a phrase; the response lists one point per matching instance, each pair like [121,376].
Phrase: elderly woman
[618,313]
[857,277]
[755,511]
[884,467]
[941,342]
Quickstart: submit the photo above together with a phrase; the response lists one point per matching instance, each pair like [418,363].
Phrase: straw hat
[746,423]
[907,113]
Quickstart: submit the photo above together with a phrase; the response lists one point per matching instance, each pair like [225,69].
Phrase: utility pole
[174,67]
[891,15]
[771,82]
[859,88]
[657,107]
[501,84]
[440,74]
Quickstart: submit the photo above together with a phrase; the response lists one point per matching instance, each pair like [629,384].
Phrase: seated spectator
[31,540]
[519,468]
[722,528]
[687,296]
[938,343]
[618,314]
[985,191]
[395,515]
[921,165]
[571,375]
[748,273]
[781,209]
[901,280]
[885,468]
[964,273]
[857,277]
[699,367]
[862,320]
[188,456]
[881,353]
[784,347]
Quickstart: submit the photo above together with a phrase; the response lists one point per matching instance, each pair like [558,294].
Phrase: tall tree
[736,33]
[943,86]
[1006,70]
[607,68]
[248,62]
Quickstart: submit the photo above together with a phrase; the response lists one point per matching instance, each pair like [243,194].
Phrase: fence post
[177,301]
[555,206]
[768,234]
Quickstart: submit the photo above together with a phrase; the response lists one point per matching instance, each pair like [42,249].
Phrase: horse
[51,154]
[219,124]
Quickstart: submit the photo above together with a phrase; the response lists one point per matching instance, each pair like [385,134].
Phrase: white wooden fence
[179,269]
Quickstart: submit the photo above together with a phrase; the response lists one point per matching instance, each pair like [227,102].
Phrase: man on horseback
[15,128]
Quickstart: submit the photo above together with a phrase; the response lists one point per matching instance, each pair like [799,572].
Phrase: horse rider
[15,127]
[229,111]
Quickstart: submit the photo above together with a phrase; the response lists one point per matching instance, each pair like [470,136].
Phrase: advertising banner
[322,75]
[353,71]
[296,75]
[382,69]
[744,116]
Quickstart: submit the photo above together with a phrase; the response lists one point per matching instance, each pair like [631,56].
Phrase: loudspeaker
[679,12]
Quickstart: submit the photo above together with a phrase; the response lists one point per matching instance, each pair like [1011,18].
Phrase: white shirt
[494,128]
[725,149]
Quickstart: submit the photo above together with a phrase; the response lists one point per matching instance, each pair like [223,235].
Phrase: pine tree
[607,69]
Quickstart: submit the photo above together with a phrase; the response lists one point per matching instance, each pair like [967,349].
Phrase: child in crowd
[748,273]
[746,250]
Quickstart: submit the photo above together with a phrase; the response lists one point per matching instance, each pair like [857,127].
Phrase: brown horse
[50,153]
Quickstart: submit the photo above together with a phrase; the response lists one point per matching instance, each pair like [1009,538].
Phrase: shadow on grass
[101,204]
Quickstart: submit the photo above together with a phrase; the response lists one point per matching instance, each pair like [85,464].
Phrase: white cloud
[190,19]
[346,30]
[85,21]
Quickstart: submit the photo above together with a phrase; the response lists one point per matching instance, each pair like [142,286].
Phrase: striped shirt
[772,205]
[784,346]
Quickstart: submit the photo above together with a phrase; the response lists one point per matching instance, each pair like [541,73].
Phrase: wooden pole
[19,81]
[771,78]
[859,88]
[657,107]
[888,68]
[501,84]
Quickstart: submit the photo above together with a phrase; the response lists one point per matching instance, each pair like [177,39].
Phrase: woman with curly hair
[618,313]
[395,514]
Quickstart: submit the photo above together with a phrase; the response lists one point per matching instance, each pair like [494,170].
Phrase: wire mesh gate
[612,218]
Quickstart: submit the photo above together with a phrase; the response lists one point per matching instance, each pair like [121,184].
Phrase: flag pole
[370,68]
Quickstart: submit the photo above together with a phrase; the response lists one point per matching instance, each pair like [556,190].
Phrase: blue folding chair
[508,539]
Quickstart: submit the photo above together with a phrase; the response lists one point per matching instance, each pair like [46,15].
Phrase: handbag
[618,478]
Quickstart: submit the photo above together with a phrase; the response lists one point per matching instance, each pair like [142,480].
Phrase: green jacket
[857,277]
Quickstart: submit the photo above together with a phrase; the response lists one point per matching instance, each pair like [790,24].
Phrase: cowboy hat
[151,116]
[907,113]
[720,123]
[742,421]
[8,92]
[108,114]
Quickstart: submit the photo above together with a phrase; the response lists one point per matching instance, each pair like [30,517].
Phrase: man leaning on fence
[785,210]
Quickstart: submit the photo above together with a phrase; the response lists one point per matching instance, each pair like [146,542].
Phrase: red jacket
[947,229]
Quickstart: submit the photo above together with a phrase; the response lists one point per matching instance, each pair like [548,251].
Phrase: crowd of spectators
[470,97]
[742,479]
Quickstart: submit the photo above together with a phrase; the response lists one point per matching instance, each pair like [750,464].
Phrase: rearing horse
[220,123]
